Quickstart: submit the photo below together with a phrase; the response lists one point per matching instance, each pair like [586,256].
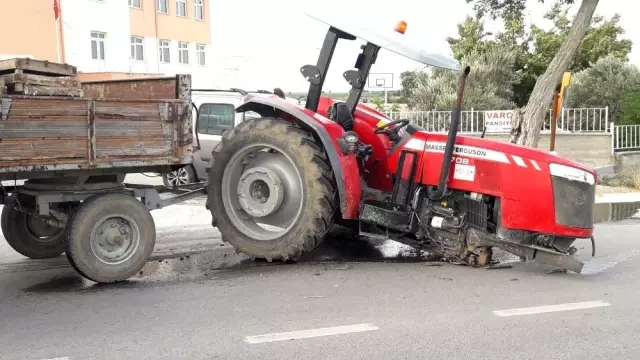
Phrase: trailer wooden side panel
[138,89]
[43,134]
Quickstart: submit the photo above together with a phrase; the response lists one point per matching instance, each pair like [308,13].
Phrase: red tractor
[277,183]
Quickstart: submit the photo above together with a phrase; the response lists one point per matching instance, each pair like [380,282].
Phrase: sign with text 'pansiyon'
[498,121]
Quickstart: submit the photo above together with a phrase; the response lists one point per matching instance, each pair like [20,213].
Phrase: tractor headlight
[571,173]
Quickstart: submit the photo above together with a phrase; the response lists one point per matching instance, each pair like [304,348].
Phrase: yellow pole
[558,100]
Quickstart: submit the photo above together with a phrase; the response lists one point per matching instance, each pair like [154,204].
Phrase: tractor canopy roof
[391,40]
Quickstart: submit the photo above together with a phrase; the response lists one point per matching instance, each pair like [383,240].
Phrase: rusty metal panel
[142,123]
[132,89]
[32,79]
[50,134]
[136,130]
[37,67]
[34,130]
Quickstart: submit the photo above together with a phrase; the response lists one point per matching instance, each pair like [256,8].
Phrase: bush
[630,108]
[608,82]
[629,178]
[489,86]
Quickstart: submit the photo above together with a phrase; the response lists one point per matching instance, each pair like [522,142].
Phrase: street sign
[498,121]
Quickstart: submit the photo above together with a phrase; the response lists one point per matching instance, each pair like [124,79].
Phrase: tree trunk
[526,130]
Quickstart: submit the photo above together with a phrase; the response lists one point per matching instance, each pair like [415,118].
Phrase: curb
[618,198]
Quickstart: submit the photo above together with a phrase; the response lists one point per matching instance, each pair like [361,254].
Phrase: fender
[345,168]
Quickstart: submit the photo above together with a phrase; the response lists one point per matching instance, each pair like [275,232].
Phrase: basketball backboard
[380,81]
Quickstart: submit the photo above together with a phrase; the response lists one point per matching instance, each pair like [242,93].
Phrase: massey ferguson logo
[458,150]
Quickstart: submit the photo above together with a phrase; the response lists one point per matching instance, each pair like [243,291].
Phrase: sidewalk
[611,194]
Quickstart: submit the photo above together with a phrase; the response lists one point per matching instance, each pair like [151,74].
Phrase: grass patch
[629,178]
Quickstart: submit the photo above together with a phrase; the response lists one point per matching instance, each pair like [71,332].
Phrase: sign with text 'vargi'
[498,121]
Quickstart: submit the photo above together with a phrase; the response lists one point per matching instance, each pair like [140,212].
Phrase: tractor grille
[477,214]
[573,202]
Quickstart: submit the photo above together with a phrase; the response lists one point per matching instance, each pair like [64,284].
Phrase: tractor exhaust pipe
[451,139]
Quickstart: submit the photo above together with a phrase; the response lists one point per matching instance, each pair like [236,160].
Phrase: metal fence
[626,137]
[578,120]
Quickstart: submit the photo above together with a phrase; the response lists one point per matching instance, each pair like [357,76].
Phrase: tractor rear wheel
[271,190]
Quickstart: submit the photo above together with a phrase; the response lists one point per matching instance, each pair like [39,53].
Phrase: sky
[265,47]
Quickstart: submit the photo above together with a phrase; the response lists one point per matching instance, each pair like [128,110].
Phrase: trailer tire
[305,155]
[110,237]
[19,232]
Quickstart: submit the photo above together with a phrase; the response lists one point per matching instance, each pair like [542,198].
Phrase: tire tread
[325,195]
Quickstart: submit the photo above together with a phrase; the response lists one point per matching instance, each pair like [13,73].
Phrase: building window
[201,54]
[214,119]
[165,51]
[135,4]
[183,53]
[97,45]
[162,6]
[198,9]
[181,7]
[137,48]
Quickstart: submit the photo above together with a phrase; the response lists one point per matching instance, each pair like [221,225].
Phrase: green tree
[526,127]
[535,47]
[490,85]
[630,108]
[606,83]
[601,39]
[407,83]
[472,37]
[378,102]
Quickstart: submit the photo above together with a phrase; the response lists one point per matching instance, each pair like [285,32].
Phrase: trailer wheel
[110,238]
[30,236]
[271,189]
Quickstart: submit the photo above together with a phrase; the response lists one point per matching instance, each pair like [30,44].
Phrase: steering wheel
[393,134]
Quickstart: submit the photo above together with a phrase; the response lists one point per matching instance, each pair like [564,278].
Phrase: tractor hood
[517,153]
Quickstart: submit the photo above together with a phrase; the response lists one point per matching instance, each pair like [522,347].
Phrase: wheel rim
[178,177]
[40,230]
[114,239]
[262,191]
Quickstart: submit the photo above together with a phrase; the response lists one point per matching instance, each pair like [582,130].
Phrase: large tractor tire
[29,235]
[271,191]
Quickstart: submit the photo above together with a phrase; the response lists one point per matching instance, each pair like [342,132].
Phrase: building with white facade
[108,39]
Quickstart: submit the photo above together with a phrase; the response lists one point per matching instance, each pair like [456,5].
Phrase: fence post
[613,137]
[562,117]
[473,118]
[606,114]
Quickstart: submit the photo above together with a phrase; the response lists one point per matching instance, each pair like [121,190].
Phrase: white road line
[311,333]
[550,308]
[62,358]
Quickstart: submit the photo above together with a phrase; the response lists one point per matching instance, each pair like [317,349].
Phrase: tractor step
[391,215]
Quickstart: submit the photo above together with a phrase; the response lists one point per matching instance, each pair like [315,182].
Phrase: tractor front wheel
[271,189]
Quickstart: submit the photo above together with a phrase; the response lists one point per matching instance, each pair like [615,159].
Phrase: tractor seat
[340,113]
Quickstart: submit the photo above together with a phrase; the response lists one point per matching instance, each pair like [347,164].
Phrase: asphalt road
[361,308]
